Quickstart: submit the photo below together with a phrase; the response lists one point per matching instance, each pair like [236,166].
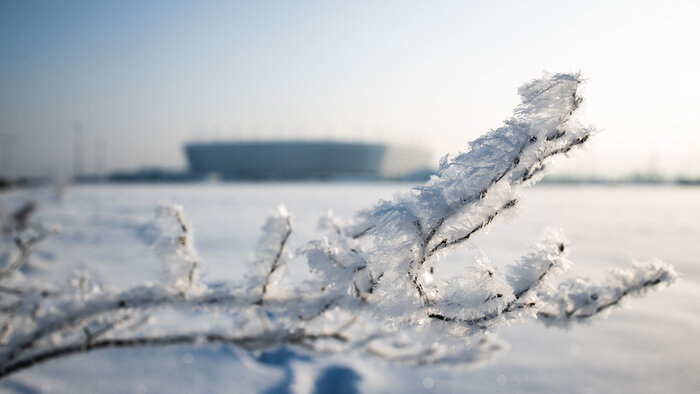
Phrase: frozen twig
[25,248]
[372,288]
[580,299]
[270,252]
[177,250]
[249,343]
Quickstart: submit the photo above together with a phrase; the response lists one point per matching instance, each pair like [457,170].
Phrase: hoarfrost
[372,288]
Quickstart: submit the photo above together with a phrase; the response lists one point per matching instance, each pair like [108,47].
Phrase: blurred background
[95,92]
[100,89]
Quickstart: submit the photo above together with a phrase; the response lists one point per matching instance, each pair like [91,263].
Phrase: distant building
[144,175]
[298,160]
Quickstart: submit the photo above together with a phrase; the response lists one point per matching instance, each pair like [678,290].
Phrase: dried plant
[372,289]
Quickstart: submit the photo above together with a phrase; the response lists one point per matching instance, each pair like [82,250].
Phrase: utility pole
[7,140]
[99,157]
[77,149]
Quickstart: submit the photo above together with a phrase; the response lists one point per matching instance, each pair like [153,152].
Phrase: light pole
[77,149]
[7,140]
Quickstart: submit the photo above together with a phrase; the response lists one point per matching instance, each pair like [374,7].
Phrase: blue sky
[144,77]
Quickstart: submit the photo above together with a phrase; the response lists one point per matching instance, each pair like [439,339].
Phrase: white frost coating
[372,289]
[481,291]
[270,254]
[471,189]
[535,271]
[580,299]
[177,252]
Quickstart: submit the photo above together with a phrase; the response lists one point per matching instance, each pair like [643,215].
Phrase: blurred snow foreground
[371,289]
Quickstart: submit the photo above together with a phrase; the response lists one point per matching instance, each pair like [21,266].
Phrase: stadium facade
[299,160]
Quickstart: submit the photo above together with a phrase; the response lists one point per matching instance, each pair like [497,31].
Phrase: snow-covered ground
[650,345]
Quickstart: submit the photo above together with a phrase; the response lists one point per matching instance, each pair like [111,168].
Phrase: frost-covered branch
[24,235]
[372,288]
[516,292]
[270,256]
[581,299]
[176,246]
[250,343]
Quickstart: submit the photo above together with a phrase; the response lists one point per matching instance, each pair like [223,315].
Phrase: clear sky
[143,77]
